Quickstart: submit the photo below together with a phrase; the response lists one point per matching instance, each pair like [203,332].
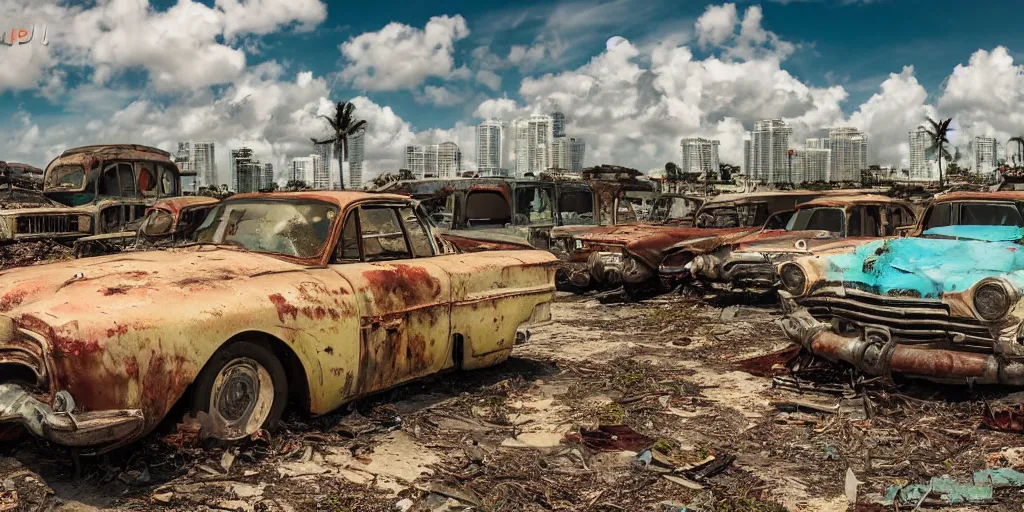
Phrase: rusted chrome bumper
[875,352]
[743,270]
[616,268]
[62,426]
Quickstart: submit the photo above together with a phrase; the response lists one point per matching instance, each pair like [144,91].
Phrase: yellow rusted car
[311,298]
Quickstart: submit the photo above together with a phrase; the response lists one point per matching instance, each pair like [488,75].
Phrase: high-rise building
[849,153]
[811,164]
[560,157]
[817,143]
[985,155]
[699,156]
[769,151]
[491,148]
[921,166]
[198,157]
[557,124]
[268,174]
[746,159]
[449,160]
[356,148]
[577,153]
[521,135]
[245,170]
[422,160]
[539,143]
[303,168]
[322,174]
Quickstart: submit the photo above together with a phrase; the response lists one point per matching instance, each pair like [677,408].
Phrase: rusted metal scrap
[287,299]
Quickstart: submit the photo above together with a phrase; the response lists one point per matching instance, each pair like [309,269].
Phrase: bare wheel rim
[241,398]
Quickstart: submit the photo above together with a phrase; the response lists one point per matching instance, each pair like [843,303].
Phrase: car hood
[927,267]
[109,285]
[784,241]
[649,242]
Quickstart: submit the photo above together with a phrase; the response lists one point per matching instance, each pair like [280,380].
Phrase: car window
[576,207]
[485,207]
[779,220]
[167,182]
[418,237]
[818,219]
[872,221]
[381,231]
[533,205]
[290,228]
[347,250]
[147,179]
[938,215]
[899,216]
[989,214]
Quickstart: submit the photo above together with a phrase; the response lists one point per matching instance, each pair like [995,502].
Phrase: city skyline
[631,78]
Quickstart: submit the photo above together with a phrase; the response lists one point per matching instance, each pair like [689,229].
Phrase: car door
[403,299]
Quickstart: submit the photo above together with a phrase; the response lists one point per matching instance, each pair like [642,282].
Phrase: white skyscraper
[811,165]
[268,174]
[985,155]
[921,166]
[322,174]
[491,148]
[746,158]
[245,170]
[198,157]
[302,168]
[769,148]
[521,134]
[699,156]
[539,143]
[816,143]
[356,147]
[849,153]
[449,160]
[560,153]
[577,153]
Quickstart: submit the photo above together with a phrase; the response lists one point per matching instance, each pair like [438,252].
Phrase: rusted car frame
[167,223]
[630,255]
[748,263]
[106,188]
[943,304]
[316,298]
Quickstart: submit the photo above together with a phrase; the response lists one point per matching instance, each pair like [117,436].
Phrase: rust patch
[116,290]
[337,371]
[131,367]
[117,330]
[402,286]
[62,339]
[283,307]
[11,300]
[190,281]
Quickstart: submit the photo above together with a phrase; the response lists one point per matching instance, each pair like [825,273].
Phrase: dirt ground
[567,424]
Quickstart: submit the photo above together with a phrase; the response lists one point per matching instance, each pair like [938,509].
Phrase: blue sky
[816,45]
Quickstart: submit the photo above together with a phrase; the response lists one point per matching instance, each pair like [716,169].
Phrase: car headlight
[992,299]
[793,278]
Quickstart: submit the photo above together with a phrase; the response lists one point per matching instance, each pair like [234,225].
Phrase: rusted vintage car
[629,255]
[943,304]
[167,223]
[106,188]
[312,298]
[20,175]
[748,263]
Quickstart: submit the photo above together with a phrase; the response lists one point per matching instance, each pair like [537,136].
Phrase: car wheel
[242,389]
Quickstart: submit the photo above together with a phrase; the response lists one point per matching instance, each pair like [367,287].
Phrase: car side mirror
[904,231]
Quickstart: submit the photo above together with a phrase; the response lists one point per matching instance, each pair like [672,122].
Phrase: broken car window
[289,228]
[576,207]
[70,177]
[418,237]
[383,238]
[820,219]
[533,205]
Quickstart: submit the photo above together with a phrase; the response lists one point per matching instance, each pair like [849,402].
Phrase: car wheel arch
[295,370]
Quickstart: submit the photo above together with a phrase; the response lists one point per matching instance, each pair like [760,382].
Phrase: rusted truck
[942,304]
[102,189]
[630,254]
[167,223]
[309,298]
[748,263]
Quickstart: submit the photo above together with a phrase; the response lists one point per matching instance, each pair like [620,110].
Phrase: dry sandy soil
[520,436]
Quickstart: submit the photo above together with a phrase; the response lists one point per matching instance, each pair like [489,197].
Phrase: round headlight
[793,278]
[991,300]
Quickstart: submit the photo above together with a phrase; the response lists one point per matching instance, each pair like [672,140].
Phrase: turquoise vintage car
[944,304]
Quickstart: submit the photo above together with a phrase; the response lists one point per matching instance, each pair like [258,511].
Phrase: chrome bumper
[64,427]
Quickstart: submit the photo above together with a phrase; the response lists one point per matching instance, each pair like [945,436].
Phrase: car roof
[1006,195]
[851,199]
[339,197]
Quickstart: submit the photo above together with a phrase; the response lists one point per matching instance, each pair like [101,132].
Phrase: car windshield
[673,208]
[817,219]
[289,228]
[973,213]
[576,207]
[70,177]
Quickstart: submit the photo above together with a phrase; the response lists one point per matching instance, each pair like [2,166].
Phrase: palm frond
[356,127]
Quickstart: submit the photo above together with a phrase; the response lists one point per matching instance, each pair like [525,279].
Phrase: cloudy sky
[632,76]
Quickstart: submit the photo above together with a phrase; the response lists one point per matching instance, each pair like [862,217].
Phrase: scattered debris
[770,365]
[8,501]
[612,438]
[947,491]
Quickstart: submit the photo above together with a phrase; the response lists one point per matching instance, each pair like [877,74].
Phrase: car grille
[910,320]
[38,224]
[23,360]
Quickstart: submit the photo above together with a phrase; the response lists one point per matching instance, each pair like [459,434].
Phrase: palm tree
[937,132]
[343,125]
[1020,143]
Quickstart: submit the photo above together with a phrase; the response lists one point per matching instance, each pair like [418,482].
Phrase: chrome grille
[37,224]
[911,320]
